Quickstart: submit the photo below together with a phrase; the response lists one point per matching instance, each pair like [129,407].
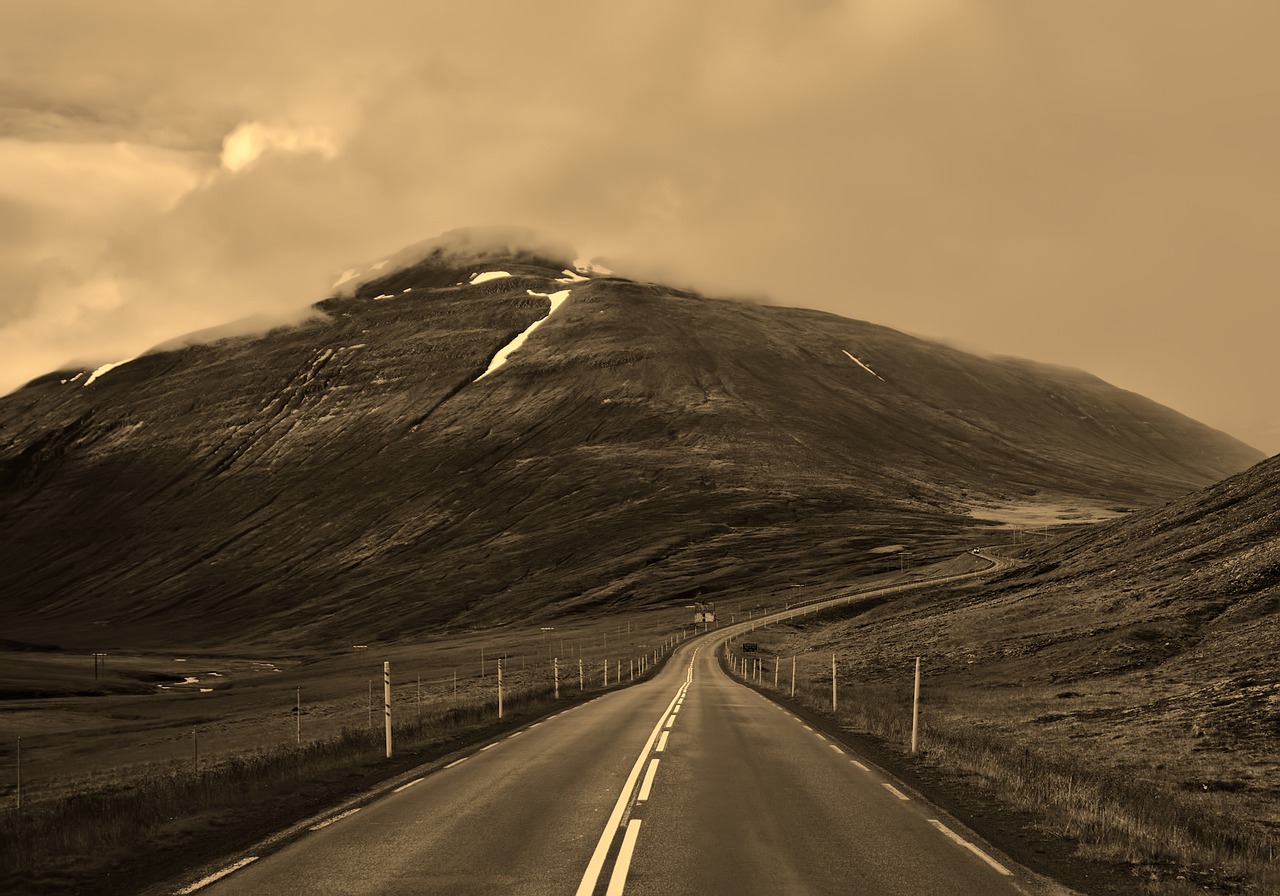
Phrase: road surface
[687,783]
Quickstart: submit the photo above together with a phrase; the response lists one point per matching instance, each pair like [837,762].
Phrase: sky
[1091,184]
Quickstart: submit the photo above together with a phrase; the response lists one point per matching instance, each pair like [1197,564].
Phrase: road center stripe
[648,781]
[618,880]
[588,884]
[662,742]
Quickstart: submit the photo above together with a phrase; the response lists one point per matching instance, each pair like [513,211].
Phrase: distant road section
[687,783]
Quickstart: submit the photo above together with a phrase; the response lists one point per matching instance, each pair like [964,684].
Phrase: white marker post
[775,673]
[555,674]
[386,703]
[582,681]
[833,682]
[915,711]
[499,687]
[793,675]
[297,715]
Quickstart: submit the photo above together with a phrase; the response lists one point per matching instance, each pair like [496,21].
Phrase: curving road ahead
[687,783]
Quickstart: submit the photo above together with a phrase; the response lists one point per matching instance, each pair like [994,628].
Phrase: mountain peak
[455,255]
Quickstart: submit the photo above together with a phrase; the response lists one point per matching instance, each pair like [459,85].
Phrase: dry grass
[1182,842]
[92,817]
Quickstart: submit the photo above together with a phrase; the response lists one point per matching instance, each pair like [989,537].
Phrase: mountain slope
[355,478]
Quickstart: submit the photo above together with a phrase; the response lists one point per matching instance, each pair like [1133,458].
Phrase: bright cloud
[252,139]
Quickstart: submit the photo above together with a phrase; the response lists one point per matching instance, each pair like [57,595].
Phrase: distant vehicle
[976,551]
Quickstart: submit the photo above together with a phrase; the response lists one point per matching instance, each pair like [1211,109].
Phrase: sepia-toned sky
[1088,183]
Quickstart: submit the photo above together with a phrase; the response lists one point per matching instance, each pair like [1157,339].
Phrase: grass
[117,824]
[1183,843]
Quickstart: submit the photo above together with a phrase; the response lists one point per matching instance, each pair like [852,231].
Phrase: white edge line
[216,876]
[618,880]
[456,761]
[487,746]
[338,817]
[406,786]
[895,791]
[836,747]
[860,765]
[969,846]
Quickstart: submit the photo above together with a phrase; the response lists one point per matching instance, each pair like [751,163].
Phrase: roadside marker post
[297,715]
[793,675]
[915,711]
[775,673]
[386,703]
[19,774]
[555,674]
[499,687]
[833,682]
[581,679]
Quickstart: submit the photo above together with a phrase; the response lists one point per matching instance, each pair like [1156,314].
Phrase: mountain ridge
[354,477]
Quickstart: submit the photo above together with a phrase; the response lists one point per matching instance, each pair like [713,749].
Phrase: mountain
[1194,583]
[366,475]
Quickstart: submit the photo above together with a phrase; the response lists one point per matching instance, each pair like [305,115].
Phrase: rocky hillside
[368,475]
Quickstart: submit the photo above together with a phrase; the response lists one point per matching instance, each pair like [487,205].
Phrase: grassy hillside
[351,480]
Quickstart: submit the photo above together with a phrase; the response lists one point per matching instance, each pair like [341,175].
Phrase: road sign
[750,648]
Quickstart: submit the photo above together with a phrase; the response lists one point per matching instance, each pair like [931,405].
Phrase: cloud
[248,142]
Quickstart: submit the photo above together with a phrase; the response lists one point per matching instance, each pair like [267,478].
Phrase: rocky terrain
[356,478]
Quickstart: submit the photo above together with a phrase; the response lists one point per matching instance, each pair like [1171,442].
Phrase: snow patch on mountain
[590,266]
[359,274]
[864,366]
[571,277]
[557,299]
[477,279]
[106,368]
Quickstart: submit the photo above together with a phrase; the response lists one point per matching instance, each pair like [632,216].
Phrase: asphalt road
[687,783]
